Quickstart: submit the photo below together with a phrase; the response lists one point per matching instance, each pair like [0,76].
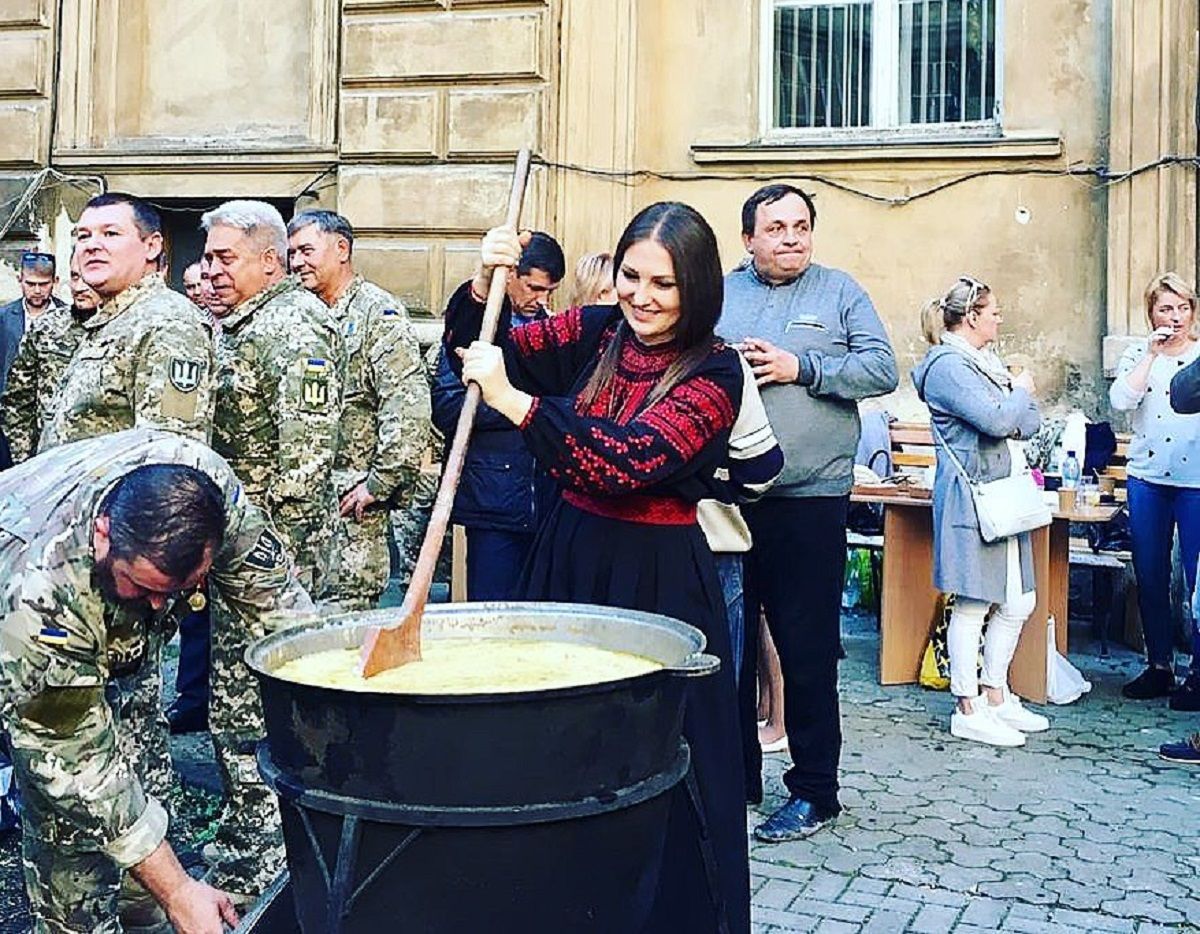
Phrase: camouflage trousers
[73,886]
[363,561]
[310,537]
[409,525]
[248,848]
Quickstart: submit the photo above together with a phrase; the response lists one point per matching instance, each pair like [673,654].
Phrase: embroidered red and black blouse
[613,456]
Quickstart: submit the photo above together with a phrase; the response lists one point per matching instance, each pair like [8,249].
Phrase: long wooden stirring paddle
[389,646]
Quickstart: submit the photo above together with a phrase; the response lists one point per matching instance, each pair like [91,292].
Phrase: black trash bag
[1112,535]
[1100,447]
[865,518]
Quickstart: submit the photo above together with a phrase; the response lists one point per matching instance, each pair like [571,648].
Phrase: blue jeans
[729,570]
[1155,509]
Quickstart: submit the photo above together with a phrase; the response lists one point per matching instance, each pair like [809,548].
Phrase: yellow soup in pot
[473,666]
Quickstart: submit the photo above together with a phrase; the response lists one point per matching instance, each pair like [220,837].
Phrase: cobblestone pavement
[1082,830]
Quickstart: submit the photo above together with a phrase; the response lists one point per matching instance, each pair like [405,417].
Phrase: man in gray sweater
[817,347]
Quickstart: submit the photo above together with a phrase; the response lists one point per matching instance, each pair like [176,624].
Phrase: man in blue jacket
[502,495]
[817,347]
[37,282]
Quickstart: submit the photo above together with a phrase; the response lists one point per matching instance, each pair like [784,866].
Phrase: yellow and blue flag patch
[52,635]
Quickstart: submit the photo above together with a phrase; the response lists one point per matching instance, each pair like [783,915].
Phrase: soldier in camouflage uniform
[279,396]
[96,540]
[31,393]
[146,356]
[386,420]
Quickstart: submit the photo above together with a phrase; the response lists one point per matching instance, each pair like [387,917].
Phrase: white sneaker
[1012,713]
[983,726]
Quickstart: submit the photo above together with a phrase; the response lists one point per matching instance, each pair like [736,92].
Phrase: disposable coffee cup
[1066,500]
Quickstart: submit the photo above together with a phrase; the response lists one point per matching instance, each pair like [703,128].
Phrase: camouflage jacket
[386,421]
[145,359]
[61,639]
[280,372]
[31,393]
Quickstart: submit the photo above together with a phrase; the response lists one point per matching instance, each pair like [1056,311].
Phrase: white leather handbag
[1007,506]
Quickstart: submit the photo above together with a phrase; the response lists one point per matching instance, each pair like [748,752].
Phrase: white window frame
[885,98]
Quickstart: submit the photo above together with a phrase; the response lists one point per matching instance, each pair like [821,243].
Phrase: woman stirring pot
[975,407]
[629,409]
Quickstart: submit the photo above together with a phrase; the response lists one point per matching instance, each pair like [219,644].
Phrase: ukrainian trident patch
[314,384]
[184,374]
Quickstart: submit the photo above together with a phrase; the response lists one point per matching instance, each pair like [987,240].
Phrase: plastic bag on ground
[1065,684]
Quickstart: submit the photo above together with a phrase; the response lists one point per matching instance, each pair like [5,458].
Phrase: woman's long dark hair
[689,241]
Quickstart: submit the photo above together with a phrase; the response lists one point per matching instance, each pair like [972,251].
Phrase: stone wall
[405,115]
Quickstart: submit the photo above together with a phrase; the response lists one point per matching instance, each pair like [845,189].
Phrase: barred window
[881,63]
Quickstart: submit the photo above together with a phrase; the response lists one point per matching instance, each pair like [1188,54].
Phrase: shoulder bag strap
[937,436]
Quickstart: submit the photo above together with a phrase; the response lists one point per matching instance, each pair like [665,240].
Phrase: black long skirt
[579,557]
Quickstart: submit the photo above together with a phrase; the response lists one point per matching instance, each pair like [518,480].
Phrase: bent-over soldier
[97,539]
[279,397]
[385,423]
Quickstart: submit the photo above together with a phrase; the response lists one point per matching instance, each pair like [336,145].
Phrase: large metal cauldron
[534,811]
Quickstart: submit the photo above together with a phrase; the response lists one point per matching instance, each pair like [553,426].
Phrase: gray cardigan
[974,417]
[828,321]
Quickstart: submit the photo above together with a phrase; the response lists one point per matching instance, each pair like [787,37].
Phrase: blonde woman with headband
[1164,479]
[593,283]
[975,407]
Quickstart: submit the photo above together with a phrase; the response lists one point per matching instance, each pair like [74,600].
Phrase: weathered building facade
[1044,146]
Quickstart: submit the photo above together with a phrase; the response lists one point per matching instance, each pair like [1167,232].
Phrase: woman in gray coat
[975,407]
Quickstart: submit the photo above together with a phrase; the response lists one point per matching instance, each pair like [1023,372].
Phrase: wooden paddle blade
[390,646]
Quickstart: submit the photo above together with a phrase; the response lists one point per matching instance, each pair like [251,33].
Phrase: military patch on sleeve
[391,312]
[179,398]
[52,635]
[314,385]
[267,553]
[185,374]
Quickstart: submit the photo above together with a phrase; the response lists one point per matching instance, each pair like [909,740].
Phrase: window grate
[947,49]
[822,65]
[881,63]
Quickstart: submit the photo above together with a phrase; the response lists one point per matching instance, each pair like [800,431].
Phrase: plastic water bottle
[852,591]
[1071,471]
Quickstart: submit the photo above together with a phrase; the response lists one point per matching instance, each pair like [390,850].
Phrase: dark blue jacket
[501,488]
[12,329]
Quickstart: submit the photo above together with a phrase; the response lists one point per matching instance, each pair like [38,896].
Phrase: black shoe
[1187,695]
[794,821]
[1153,682]
[191,720]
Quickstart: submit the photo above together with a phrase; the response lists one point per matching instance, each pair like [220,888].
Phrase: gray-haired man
[280,366]
[386,424]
